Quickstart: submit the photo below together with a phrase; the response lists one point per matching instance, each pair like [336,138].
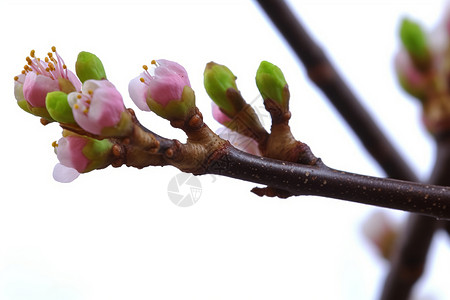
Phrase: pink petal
[36,87]
[70,152]
[64,174]
[239,141]
[165,89]
[218,115]
[138,93]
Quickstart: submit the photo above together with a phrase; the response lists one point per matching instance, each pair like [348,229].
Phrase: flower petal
[138,93]
[36,87]
[64,174]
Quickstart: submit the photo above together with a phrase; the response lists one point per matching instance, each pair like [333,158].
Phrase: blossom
[99,109]
[44,76]
[81,154]
[159,86]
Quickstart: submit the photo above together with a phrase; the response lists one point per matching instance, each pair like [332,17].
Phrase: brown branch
[322,181]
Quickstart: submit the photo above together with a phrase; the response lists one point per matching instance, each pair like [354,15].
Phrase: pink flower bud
[44,76]
[81,153]
[69,151]
[165,85]
[99,107]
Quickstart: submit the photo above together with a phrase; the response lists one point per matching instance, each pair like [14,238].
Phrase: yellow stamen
[16,78]
[85,111]
[54,49]
[32,53]
[55,144]
[142,79]
[79,96]
[75,106]
[90,92]
[153,62]
[145,67]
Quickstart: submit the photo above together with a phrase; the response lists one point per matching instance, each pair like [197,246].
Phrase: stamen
[90,92]
[53,48]
[142,79]
[55,144]
[153,62]
[79,96]
[16,78]
[32,52]
[145,67]
[76,106]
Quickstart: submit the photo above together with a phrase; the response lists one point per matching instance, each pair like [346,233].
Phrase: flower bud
[415,42]
[58,107]
[167,92]
[218,79]
[272,84]
[99,109]
[82,153]
[89,66]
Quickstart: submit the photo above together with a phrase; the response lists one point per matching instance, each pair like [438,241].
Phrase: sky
[116,233]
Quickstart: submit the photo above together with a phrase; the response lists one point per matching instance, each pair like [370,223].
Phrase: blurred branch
[410,252]
[325,76]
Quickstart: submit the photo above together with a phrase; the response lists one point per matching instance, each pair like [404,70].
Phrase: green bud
[217,80]
[271,83]
[58,107]
[98,152]
[414,40]
[179,109]
[89,66]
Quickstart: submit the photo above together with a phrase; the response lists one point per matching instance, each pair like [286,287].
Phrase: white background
[114,233]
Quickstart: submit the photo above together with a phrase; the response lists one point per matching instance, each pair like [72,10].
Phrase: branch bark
[320,180]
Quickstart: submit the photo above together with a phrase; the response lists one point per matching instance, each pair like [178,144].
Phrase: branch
[320,180]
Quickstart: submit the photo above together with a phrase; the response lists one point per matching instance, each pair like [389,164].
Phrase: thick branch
[323,181]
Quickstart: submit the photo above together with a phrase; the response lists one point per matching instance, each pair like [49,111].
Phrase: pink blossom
[97,107]
[165,85]
[69,151]
[44,76]
[239,141]
[218,115]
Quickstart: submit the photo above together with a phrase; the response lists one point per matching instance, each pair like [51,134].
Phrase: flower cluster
[91,110]
[99,131]
[87,103]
